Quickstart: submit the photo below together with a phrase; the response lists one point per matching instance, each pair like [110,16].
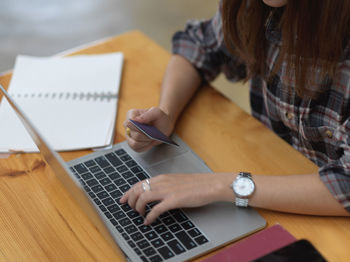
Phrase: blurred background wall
[47,27]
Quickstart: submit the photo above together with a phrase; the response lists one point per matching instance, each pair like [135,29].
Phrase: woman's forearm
[180,82]
[300,194]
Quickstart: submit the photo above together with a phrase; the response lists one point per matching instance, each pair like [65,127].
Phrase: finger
[144,199]
[134,194]
[136,134]
[138,146]
[156,211]
[135,113]
[149,115]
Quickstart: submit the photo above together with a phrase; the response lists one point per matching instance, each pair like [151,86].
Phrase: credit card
[153,133]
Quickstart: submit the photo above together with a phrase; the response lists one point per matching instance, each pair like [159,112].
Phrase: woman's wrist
[223,189]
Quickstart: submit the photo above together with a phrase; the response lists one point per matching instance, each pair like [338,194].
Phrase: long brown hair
[314,36]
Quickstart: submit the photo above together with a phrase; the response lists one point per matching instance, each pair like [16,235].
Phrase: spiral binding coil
[66,96]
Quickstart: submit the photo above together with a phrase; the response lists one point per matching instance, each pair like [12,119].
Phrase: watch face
[243,186]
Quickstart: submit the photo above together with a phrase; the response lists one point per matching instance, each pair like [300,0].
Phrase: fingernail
[145,222]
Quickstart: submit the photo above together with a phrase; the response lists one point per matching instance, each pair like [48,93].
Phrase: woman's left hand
[177,190]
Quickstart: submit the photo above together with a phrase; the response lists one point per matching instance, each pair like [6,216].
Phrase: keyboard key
[133,180]
[150,235]
[124,222]
[114,176]
[187,225]
[95,169]
[143,259]
[86,176]
[132,244]
[105,181]
[165,252]
[109,170]
[142,176]
[120,181]
[201,240]
[160,229]
[115,194]
[124,188]
[125,158]
[149,251]
[113,208]
[126,207]
[125,236]
[167,236]
[157,243]
[132,214]
[113,159]
[168,221]
[120,229]
[130,229]
[102,161]
[136,169]
[109,215]
[179,216]
[145,228]
[81,169]
[97,201]
[108,201]
[92,182]
[194,232]
[128,175]
[102,195]
[91,194]
[110,187]
[120,152]
[114,222]
[138,221]
[137,236]
[89,163]
[176,246]
[122,169]
[137,251]
[185,240]
[131,163]
[97,188]
[156,258]
[143,244]
[174,228]
[119,215]
[103,208]
[100,175]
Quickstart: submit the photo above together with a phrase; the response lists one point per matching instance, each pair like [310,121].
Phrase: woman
[297,55]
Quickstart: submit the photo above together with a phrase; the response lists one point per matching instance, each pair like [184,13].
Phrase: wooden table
[40,222]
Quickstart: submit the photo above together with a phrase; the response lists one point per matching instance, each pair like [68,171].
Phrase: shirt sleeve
[202,44]
[336,174]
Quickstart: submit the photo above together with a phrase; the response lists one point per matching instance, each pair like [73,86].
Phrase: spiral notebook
[72,101]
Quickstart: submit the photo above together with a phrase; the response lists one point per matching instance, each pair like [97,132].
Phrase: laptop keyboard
[106,178]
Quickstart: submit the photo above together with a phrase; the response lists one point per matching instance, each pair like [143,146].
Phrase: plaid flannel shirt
[318,128]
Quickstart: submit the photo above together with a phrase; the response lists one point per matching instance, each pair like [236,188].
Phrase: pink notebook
[254,246]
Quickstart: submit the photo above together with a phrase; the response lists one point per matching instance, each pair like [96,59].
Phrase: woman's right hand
[153,116]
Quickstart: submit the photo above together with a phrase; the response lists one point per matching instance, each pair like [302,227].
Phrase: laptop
[98,180]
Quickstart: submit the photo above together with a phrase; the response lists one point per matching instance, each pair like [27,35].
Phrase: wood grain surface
[40,222]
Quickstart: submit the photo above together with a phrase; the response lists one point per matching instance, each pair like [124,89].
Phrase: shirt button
[329,133]
[289,115]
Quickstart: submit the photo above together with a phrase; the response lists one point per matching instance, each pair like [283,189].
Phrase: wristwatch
[243,187]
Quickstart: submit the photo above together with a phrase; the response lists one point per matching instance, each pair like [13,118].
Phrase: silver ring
[148,182]
[146,187]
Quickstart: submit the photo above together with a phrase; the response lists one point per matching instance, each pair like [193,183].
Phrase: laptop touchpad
[185,163]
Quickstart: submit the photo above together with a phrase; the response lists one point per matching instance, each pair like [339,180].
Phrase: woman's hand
[153,116]
[178,190]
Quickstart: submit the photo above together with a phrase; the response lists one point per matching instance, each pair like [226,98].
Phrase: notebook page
[73,103]
[75,74]
[78,128]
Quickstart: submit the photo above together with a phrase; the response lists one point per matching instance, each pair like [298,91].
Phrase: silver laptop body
[218,223]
